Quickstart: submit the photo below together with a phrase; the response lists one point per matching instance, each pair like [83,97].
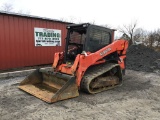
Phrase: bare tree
[80,21]
[7,7]
[128,31]
[138,34]
[71,19]
[24,12]
[151,39]
[158,38]
[106,25]
[63,19]
[93,22]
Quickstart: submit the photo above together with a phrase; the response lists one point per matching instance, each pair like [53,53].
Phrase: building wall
[17,47]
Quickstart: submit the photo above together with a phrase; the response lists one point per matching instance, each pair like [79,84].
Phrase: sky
[114,13]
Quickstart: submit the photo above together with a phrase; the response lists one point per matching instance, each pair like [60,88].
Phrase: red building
[29,40]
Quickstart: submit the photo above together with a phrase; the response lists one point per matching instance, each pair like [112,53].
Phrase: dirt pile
[141,58]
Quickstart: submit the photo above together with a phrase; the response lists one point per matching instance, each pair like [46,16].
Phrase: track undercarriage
[101,77]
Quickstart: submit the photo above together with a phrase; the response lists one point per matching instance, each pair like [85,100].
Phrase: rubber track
[94,72]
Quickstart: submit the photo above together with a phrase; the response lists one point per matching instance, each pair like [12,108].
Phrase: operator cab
[85,37]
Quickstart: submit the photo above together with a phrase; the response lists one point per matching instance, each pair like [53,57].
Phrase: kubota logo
[105,51]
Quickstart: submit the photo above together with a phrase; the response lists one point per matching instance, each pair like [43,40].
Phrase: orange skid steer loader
[91,62]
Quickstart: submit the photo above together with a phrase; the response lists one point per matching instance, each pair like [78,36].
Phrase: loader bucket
[50,86]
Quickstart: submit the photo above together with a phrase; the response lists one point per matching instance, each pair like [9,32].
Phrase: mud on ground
[137,99]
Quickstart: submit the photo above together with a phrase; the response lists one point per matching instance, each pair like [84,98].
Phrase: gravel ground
[137,99]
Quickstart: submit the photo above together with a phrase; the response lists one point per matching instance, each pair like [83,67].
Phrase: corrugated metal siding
[17,47]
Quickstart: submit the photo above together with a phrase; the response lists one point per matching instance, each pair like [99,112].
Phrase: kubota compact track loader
[92,62]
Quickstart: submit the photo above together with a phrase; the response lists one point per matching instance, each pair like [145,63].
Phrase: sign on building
[47,37]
